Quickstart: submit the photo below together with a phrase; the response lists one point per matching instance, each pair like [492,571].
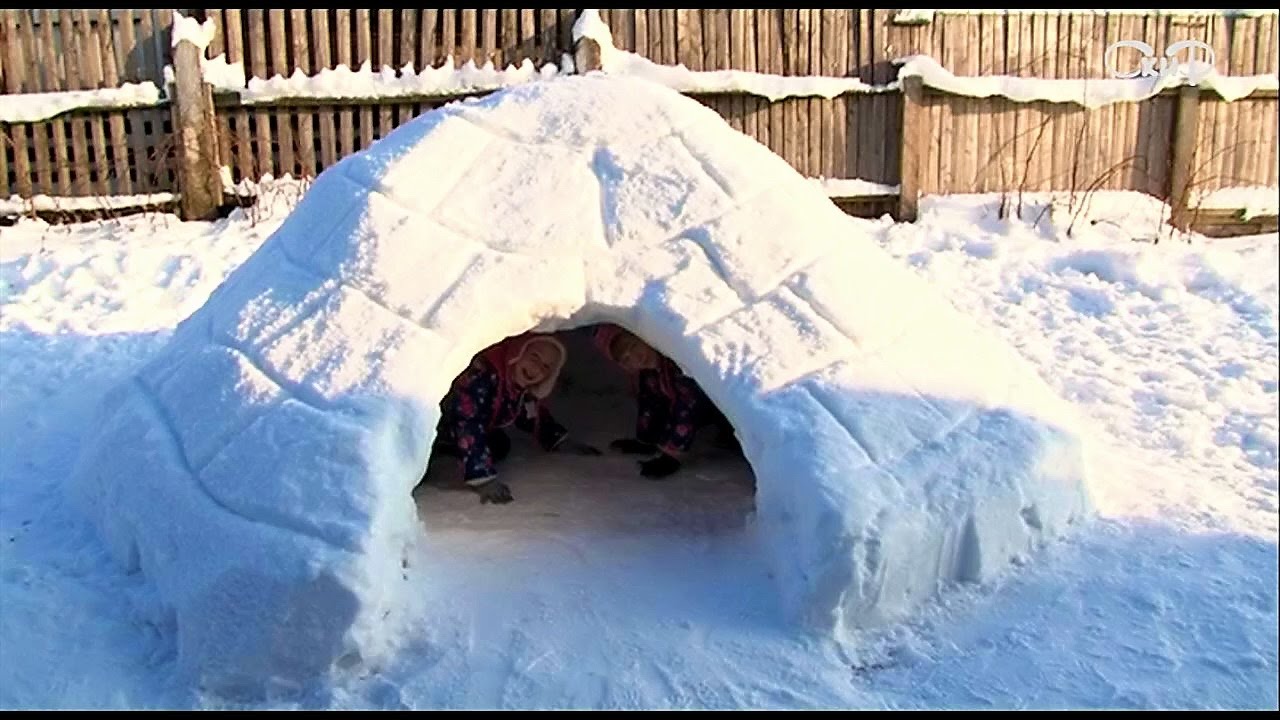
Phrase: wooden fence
[85,152]
[966,144]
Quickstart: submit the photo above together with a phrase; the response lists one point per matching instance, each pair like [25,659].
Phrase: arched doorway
[713,490]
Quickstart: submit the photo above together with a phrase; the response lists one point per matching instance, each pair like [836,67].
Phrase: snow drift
[259,469]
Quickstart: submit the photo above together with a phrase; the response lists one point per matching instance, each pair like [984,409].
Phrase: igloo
[258,470]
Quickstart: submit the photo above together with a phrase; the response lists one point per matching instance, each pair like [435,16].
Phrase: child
[670,406]
[504,385]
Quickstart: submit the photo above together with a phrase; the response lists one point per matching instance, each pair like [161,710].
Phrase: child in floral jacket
[504,385]
[670,407]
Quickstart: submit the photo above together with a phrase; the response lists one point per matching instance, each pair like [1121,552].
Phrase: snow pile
[1091,93]
[1170,349]
[34,107]
[680,78]
[258,469]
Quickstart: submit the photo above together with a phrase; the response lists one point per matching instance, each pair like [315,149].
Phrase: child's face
[535,364]
[633,354]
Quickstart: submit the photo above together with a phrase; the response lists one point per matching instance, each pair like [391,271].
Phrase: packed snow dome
[258,470]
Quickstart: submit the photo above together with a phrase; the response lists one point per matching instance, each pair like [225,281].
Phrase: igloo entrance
[713,491]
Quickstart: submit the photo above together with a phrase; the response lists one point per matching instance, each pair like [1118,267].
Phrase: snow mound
[259,468]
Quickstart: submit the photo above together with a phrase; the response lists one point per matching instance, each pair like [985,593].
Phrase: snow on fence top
[1091,93]
[921,17]
[854,187]
[1253,201]
[343,82]
[17,205]
[365,83]
[185,28]
[681,79]
[34,107]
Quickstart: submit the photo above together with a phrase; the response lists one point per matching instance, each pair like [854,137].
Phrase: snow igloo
[258,470]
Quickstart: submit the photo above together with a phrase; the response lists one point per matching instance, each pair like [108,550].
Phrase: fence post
[586,56]
[199,180]
[1186,122]
[914,119]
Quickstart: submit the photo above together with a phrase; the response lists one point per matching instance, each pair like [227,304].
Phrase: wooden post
[1186,124]
[197,148]
[15,68]
[586,56]
[915,121]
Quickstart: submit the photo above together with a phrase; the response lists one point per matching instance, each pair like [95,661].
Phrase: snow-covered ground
[607,591]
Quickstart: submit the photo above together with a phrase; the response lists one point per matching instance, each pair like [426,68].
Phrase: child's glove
[574,447]
[495,491]
[659,467]
[727,440]
[631,446]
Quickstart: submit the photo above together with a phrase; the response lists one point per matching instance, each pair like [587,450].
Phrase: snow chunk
[217,71]
[186,28]
[591,26]
[221,74]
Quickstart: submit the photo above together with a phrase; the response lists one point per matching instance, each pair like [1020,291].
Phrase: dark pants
[672,422]
[498,440]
